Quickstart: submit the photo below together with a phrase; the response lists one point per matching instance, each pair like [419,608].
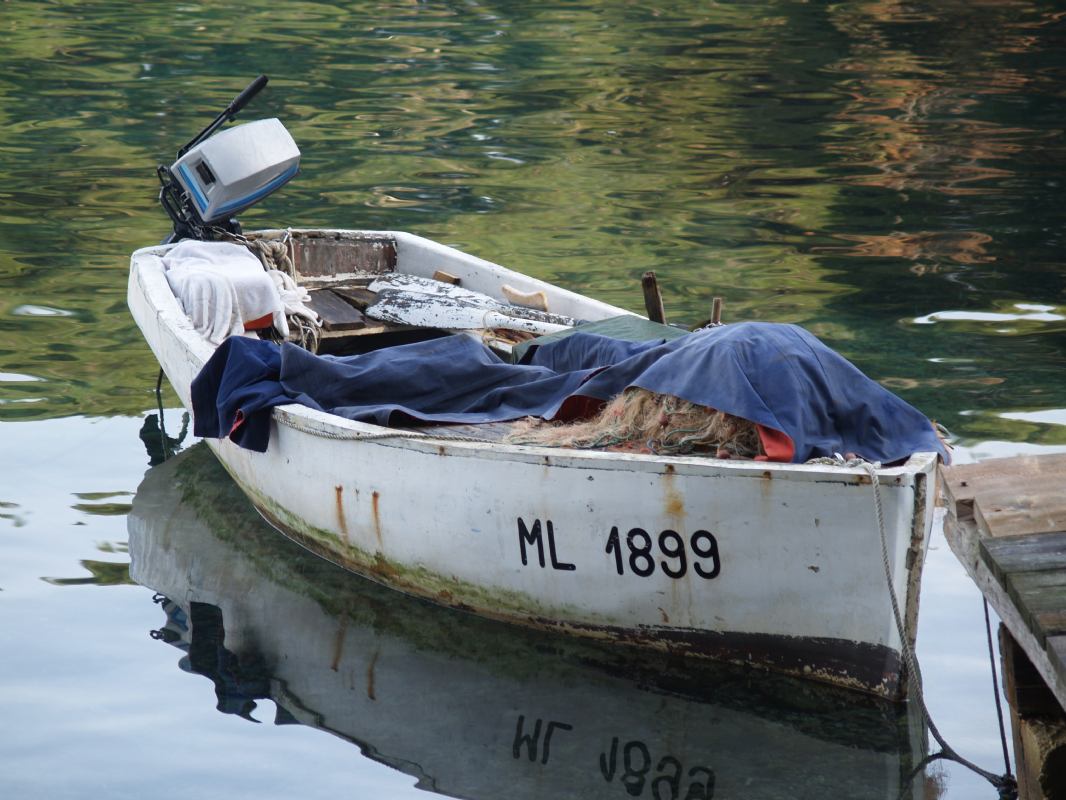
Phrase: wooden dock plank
[1041,597]
[1008,527]
[959,487]
[1032,570]
[1015,510]
[1056,648]
[1013,554]
[1018,495]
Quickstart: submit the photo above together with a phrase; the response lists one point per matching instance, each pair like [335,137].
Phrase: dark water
[888,174]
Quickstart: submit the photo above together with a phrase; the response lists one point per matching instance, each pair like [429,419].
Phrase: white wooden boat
[476,709]
[782,563]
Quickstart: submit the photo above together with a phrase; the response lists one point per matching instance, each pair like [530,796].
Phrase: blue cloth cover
[779,376]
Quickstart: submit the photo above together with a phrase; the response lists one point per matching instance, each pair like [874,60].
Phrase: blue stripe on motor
[259,193]
[191,183]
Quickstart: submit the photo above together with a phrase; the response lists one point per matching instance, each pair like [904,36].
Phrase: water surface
[888,174]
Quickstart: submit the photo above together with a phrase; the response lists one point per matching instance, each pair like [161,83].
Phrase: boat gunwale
[146,264]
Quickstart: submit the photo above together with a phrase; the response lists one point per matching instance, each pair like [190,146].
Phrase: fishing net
[644,421]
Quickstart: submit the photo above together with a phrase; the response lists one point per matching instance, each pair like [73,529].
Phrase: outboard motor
[216,177]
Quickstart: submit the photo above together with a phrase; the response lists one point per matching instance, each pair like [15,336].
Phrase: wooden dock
[1007,525]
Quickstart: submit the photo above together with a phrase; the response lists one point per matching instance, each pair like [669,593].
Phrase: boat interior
[355,282]
[337,269]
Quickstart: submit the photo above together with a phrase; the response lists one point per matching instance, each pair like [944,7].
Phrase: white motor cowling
[234,169]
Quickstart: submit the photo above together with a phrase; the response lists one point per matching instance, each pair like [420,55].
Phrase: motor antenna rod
[239,102]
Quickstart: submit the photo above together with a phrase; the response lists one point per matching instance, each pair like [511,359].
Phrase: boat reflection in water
[478,709]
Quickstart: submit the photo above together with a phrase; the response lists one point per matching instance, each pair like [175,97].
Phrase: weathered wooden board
[356,296]
[1056,648]
[1024,687]
[1038,551]
[1010,496]
[1039,506]
[1012,512]
[340,319]
[1032,569]
[321,256]
[1038,724]
[447,277]
[1041,597]
[335,312]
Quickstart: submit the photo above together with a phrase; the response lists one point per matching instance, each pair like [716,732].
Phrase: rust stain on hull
[338,644]
[674,503]
[375,497]
[342,523]
[370,691]
[675,506]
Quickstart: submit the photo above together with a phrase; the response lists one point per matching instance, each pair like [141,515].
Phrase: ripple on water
[1023,318]
[1052,416]
[40,311]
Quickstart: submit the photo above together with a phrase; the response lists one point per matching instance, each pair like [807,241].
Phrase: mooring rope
[393,433]
[1005,784]
[276,257]
[995,687]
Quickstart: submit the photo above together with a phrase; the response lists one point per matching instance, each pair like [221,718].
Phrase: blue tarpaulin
[777,376]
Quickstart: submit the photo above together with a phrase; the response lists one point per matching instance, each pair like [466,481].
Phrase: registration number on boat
[636,552]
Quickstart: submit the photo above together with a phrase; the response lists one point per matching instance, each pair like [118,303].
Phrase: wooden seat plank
[335,313]
[356,296]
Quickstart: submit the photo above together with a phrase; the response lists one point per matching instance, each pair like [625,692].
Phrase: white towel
[221,286]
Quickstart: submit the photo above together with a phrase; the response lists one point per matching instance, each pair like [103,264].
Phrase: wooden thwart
[341,312]
[335,313]
[356,296]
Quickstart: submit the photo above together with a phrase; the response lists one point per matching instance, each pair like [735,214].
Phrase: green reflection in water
[851,167]
[102,573]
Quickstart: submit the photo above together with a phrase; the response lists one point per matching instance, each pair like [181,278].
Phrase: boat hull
[774,565]
[474,709]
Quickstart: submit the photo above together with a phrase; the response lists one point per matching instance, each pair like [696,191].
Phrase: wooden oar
[399,281]
[450,313]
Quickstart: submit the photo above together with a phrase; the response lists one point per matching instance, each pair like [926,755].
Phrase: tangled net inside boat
[640,420]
